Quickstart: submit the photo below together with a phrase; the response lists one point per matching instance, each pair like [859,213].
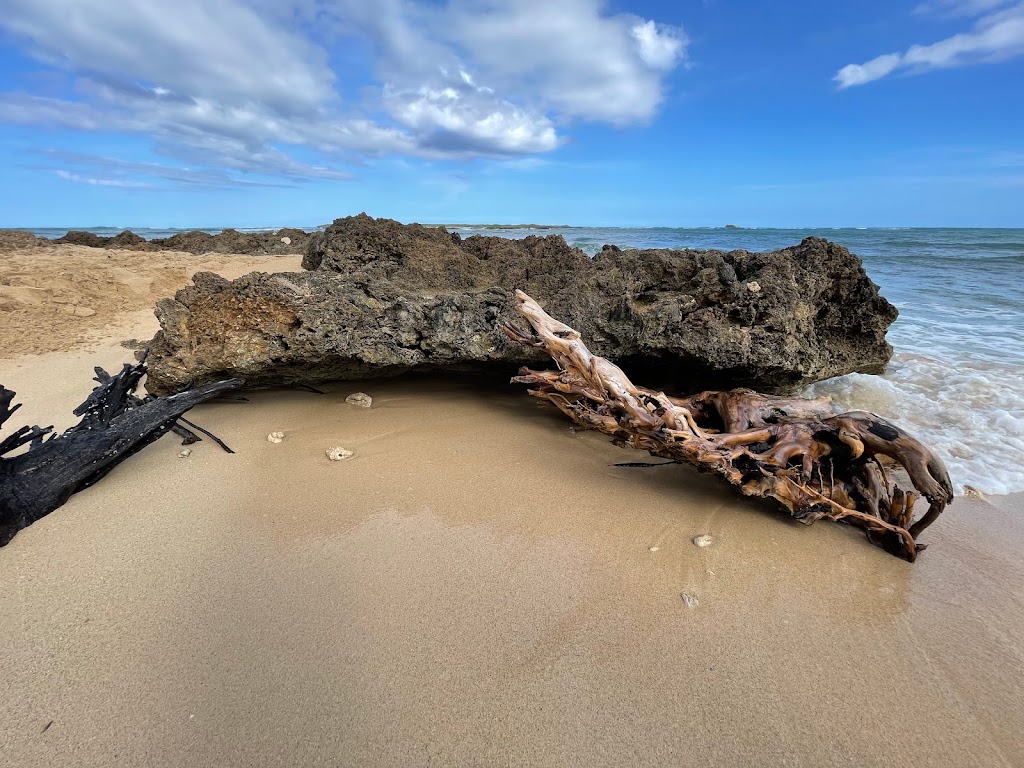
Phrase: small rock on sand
[184,453]
[970,492]
[359,398]
[338,454]
[704,540]
[275,437]
[690,601]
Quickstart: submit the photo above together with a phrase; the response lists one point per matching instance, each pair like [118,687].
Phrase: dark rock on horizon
[381,298]
[279,243]
[79,237]
[233,241]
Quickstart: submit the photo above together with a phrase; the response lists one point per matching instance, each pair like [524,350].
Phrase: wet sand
[479,586]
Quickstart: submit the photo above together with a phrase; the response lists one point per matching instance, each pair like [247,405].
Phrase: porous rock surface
[20,238]
[227,241]
[380,298]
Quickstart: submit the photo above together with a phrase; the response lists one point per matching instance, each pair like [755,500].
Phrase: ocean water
[956,380]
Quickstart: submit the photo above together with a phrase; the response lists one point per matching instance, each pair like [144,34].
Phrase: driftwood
[115,424]
[814,461]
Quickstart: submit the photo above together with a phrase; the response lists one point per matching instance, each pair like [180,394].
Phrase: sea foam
[970,412]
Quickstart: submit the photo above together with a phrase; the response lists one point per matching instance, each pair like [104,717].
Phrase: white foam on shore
[970,412]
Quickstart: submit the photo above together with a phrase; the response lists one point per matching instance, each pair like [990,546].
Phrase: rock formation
[20,238]
[381,298]
[283,241]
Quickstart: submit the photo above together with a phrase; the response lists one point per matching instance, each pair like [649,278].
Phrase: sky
[247,113]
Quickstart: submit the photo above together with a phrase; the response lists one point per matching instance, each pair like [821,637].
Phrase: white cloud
[660,47]
[246,85]
[959,7]
[996,36]
[222,49]
[471,119]
[568,56]
[116,172]
[68,176]
[858,74]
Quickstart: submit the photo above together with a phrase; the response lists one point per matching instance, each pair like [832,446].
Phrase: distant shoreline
[507,226]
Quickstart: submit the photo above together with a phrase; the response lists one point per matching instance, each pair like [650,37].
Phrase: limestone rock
[283,241]
[233,241]
[20,238]
[338,454]
[380,298]
[359,398]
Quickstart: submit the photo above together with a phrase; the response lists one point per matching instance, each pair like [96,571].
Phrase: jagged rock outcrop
[20,238]
[283,241]
[381,298]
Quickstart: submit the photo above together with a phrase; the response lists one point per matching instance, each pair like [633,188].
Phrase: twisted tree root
[814,461]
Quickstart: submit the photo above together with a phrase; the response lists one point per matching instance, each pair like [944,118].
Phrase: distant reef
[279,243]
[502,226]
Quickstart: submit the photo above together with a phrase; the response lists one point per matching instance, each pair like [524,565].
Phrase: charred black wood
[115,424]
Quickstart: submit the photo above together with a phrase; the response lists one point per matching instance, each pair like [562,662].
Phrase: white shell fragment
[359,398]
[704,540]
[338,454]
[286,240]
[184,453]
[753,286]
[690,601]
[970,492]
[275,437]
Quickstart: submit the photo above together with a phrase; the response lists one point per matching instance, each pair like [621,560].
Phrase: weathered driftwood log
[115,424]
[814,461]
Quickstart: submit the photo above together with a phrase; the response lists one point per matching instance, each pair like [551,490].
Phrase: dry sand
[479,586]
[58,297]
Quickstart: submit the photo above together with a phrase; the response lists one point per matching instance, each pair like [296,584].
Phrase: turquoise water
[957,378]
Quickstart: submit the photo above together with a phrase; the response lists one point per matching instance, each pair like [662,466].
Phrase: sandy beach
[477,585]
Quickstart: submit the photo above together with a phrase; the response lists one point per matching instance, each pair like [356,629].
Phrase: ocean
[956,380]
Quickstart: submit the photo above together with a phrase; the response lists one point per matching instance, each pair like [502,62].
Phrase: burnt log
[814,461]
[115,424]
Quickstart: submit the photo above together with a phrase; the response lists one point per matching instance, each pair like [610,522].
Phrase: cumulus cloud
[568,56]
[247,85]
[996,36]
[470,120]
[661,47]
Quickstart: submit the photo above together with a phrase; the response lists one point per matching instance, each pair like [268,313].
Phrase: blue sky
[687,113]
